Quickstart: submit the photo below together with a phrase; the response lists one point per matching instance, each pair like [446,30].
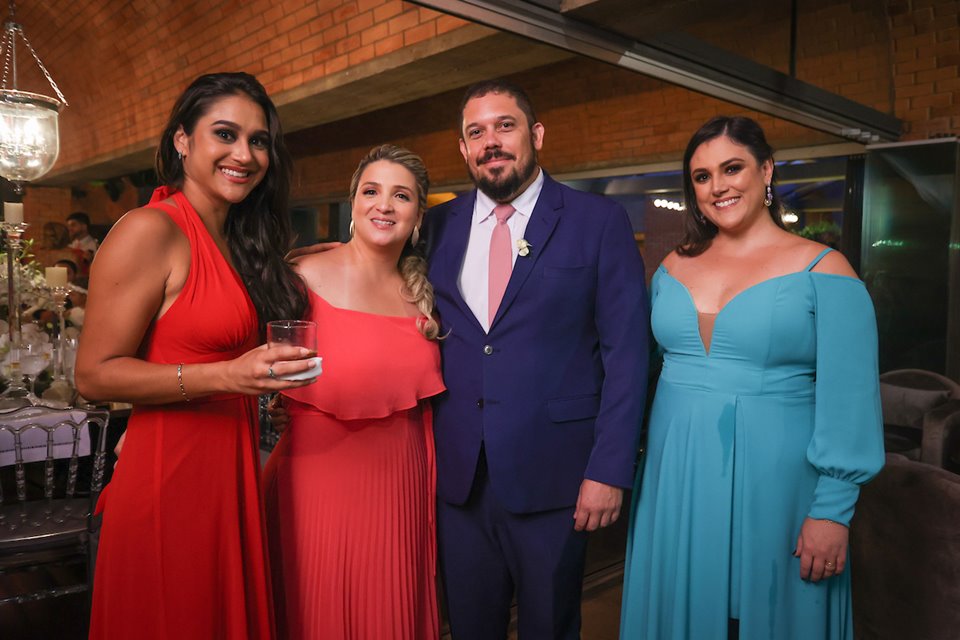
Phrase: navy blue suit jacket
[556,390]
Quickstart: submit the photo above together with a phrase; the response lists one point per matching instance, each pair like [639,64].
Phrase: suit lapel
[455,248]
[543,221]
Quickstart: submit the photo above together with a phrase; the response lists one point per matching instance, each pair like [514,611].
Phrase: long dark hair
[698,230]
[258,228]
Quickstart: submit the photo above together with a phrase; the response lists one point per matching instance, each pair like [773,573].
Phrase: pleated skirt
[350,507]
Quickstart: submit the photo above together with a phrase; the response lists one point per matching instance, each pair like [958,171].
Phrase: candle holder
[16,394]
[60,389]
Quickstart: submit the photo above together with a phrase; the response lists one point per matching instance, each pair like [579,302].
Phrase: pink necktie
[501,259]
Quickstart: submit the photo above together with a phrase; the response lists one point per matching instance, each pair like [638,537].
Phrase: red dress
[350,489]
[182,550]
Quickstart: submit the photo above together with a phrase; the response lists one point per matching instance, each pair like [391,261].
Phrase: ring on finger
[270,372]
[829,565]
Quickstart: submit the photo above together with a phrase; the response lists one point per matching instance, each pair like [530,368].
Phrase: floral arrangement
[34,293]
[35,299]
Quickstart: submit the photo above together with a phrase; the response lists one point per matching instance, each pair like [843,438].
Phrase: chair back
[45,505]
[908,394]
[907,397]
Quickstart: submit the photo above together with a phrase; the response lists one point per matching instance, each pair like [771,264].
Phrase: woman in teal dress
[766,419]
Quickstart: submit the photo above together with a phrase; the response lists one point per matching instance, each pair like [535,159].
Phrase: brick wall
[926,69]
[143,53]
[900,56]
[891,57]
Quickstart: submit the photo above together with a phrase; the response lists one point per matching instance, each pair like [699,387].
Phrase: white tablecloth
[34,441]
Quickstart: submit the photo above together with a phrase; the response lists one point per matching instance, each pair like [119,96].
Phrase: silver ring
[271,373]
[829,565]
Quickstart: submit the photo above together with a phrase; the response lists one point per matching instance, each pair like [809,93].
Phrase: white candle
[55,276]
[13,212]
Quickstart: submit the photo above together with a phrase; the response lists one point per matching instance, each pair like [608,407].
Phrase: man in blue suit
[537,434]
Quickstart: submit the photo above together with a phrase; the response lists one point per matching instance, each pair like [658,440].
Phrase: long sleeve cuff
[834,500]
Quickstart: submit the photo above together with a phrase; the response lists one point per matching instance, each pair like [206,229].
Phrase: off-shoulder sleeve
[847,444]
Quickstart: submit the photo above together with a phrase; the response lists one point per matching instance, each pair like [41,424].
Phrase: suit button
[487,349]
[480,403]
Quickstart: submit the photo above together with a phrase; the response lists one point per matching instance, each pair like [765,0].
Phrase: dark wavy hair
[258,228]
[499,86]
[698,230]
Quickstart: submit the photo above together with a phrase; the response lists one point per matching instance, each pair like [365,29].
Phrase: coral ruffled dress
[182,550]
[350,488]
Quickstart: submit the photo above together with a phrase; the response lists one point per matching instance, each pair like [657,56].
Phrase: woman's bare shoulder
[319,268]
[835,263]
[145,221]
[672,260]
[145,232]
[806,251]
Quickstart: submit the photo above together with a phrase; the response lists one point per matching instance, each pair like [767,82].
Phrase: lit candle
[55,276]
[13,212]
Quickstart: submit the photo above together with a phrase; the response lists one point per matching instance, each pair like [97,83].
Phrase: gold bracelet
[183,391]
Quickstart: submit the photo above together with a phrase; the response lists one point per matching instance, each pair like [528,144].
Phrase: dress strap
[818,258]
[173,209]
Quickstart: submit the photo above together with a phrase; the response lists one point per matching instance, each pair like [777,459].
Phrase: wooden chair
[48,491]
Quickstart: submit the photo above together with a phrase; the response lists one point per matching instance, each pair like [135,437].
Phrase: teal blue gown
[779,421]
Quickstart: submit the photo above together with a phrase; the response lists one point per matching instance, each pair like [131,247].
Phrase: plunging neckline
[740,293]
[716,317]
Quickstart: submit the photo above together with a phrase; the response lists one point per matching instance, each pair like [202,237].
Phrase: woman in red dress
[350,488]
[179,294]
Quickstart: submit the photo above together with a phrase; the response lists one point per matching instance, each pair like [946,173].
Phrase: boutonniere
[523,247]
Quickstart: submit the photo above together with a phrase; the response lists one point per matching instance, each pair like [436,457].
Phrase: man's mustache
[495,154]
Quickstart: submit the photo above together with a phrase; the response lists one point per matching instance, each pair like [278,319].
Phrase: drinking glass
[34,358]
[297,333]
[70,345]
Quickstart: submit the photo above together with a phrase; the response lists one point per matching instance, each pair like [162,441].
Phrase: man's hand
[277,414]
[314,248]
[598,505]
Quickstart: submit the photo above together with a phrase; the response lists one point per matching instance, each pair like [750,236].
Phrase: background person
[82,243]
[77,298]
[53,245]
[765,421]
[78,225]
[177,295]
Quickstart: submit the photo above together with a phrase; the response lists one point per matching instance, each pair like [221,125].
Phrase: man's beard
[505,185]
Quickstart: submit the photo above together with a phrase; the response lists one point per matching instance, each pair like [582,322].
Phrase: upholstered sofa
[905,554]
[921,415]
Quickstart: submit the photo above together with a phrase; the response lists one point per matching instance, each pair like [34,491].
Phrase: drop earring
[769,199]
[415,237]
[351,227]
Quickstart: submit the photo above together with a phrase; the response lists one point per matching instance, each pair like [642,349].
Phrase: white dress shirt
[86,243]
[474,273]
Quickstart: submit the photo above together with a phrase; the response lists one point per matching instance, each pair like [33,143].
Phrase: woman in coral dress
[350,488]
[172,329]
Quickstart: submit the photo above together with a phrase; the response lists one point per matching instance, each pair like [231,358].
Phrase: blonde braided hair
[412,266]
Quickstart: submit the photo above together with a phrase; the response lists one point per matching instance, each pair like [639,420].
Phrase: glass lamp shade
[29,135]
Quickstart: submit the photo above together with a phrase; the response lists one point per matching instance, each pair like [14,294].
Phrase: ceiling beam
[686,62]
